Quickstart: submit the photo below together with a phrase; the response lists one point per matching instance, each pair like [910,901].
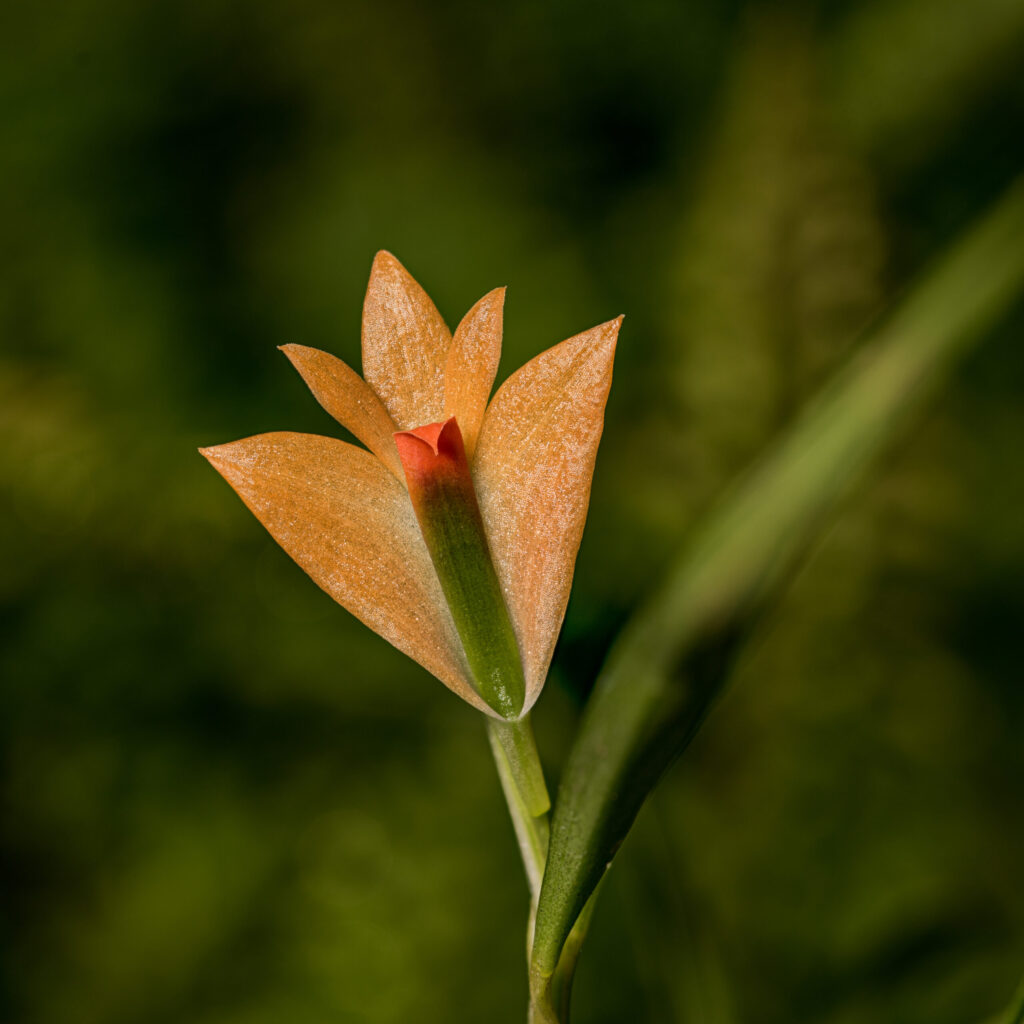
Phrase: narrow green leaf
[671,660]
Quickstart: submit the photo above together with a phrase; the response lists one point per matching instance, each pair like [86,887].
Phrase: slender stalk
[522,780]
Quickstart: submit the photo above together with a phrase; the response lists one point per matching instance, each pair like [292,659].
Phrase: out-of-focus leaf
[1015,1011]
[773,275]
[903,71]
[777,265]
[671,660]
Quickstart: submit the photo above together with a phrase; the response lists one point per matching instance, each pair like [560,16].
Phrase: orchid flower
[454,532]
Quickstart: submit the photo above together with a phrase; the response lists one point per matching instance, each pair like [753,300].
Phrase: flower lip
[442,439]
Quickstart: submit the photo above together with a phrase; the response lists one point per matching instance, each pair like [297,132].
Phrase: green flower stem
[520,751]
[522,779]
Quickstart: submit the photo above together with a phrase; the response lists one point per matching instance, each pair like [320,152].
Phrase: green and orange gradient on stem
[453,532]
[442,494]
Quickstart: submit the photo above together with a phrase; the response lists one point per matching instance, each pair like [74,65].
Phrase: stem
[522,780]
[520,754]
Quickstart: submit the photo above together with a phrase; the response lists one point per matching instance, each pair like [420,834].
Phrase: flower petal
[405,345]
[349,399]
[472,365]
[533,467]
[350,525]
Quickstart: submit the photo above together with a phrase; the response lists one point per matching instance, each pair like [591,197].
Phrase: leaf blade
[669,663]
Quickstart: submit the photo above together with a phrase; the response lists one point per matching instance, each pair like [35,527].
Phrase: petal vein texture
[405,345]
[349,399]
[346,520]
[472,365]
[533,468]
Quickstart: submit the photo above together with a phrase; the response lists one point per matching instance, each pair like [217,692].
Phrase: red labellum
[433,450]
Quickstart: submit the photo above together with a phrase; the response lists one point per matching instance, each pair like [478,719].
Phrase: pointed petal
[534,463]
[405,345]
[350,525]
[349,399]
[472,364]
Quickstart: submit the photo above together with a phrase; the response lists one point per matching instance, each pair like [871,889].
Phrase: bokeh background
[223,800]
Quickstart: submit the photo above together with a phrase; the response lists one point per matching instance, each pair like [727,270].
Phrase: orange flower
[345,514]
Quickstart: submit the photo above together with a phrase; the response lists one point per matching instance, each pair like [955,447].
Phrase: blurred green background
[226,802]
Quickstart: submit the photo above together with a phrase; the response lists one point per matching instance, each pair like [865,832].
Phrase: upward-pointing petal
[350,525]
[533,468]
[405,345]
[472,363]
[349,399]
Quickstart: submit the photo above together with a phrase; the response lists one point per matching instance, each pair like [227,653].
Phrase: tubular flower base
[455,535]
